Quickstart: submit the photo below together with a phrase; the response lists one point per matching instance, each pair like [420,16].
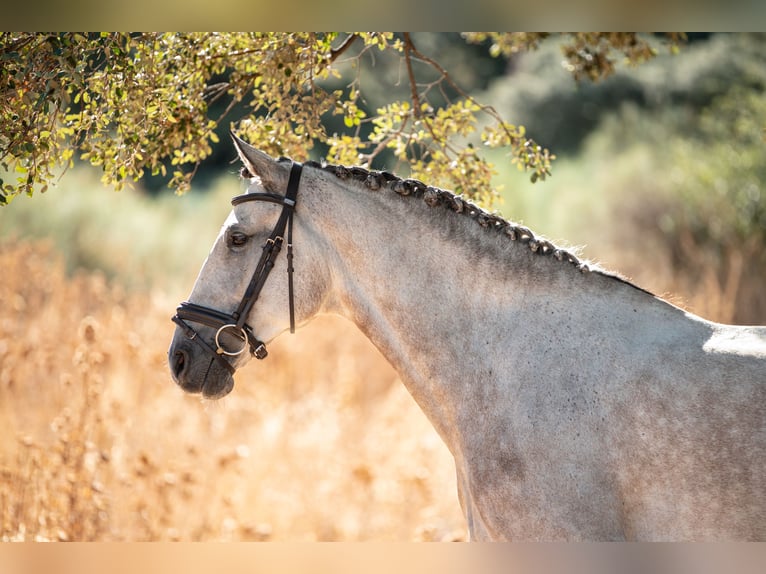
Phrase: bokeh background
[659,176]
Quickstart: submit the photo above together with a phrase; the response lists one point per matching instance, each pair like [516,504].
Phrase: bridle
[234,323]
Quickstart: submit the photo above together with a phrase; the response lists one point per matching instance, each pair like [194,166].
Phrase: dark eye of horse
[237,239]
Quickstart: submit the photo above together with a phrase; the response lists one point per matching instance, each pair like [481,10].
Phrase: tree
[134,103]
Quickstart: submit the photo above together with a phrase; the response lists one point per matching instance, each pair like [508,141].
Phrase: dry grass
[319,442]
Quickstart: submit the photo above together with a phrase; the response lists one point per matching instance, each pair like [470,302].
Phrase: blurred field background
[660,177]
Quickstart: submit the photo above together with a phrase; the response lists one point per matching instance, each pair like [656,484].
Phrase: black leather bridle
[235,323]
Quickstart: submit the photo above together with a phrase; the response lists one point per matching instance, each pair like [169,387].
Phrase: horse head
[244,293]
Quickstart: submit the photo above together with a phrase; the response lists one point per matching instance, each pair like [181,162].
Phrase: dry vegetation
[319,442]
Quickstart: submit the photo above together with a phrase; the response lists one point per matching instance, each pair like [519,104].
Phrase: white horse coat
[576,405]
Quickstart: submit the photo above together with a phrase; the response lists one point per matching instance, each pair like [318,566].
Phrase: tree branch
[409,49]
[337,52]
[487,109]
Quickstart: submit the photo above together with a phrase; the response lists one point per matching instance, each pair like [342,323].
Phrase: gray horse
[577,406]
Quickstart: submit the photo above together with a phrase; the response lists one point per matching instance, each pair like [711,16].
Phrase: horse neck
[435,292]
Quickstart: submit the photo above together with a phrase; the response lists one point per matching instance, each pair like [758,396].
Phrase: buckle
[260,351]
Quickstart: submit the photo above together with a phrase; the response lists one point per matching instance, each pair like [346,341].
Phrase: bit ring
[219,348]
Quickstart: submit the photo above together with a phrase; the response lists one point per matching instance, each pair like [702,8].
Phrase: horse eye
[237,239]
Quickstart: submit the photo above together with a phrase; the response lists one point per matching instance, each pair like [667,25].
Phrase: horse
[576,405]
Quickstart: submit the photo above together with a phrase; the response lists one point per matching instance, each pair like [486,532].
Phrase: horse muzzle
[197,371]
[200,363]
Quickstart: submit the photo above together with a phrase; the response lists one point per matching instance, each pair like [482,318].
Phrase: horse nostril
[179,363]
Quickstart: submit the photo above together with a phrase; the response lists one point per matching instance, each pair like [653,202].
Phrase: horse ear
[273,175]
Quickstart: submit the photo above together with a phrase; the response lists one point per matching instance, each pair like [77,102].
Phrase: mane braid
[435,197]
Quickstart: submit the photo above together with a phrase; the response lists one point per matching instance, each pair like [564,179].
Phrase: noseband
[234,323]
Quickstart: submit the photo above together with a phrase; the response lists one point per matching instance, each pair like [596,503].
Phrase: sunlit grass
[319,442]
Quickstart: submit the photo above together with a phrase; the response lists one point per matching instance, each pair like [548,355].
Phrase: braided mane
[436,197]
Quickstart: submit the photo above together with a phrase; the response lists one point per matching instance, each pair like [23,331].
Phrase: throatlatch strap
[290,270]
[292,194]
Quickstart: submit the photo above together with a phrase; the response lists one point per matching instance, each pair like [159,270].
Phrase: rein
[234,323]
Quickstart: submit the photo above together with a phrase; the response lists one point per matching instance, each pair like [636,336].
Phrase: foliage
[539,93]
[712,173]
[589,55]
[130,102]
[720,175]
[691,184]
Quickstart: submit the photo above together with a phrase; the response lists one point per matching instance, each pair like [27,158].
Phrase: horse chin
[217,384]
[217,389]
[210,379]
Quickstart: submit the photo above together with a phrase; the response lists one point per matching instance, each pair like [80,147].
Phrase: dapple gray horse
[577,406]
